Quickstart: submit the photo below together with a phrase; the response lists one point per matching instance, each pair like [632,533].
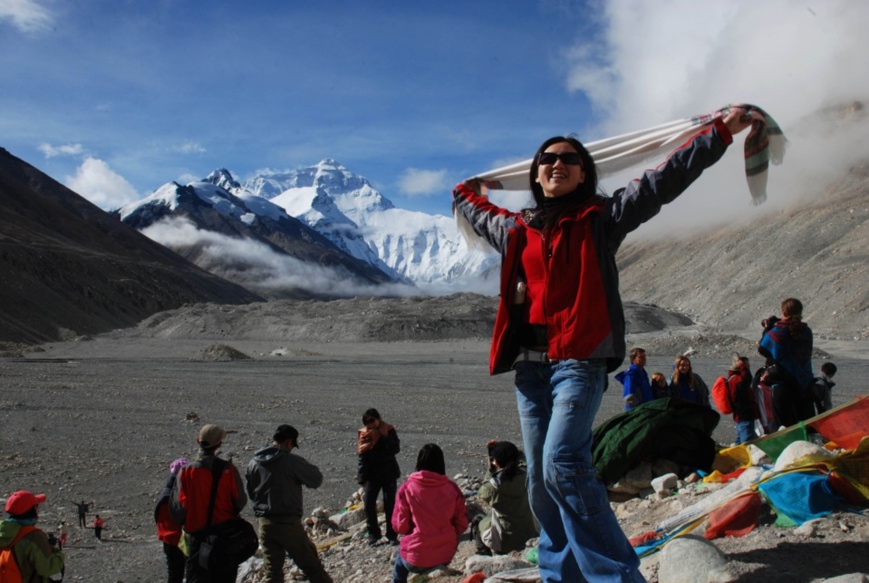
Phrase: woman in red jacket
[560,326]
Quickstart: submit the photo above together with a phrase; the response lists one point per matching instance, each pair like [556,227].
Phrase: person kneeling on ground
[510,524]
[431,513]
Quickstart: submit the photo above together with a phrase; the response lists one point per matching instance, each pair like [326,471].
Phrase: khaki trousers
[285,535]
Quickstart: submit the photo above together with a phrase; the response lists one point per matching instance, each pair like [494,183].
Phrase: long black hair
[583,191]
[431,458]
[587,188]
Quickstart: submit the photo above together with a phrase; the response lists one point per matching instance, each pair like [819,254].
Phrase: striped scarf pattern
[765,143]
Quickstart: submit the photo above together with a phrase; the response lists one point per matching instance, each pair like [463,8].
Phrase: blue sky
[116,97]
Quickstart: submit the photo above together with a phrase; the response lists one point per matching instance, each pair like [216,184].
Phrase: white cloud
[98,183]
[190,148]
[50,151]
[670,59]
[258,266]
[187,178]
[417,182]
[26,15]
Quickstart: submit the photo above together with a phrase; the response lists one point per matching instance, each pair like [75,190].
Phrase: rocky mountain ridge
[69,268]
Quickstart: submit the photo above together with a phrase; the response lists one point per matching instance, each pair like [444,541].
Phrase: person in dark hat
[36,555]
[191,495]
[275,477]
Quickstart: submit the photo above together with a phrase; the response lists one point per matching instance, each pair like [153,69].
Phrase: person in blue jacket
[635,379]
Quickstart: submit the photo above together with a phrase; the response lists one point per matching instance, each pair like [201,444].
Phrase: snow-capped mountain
[249,240]
[345,237]
[345,208]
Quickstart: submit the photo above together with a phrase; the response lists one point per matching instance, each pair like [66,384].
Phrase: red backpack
[721,395]
[9,571]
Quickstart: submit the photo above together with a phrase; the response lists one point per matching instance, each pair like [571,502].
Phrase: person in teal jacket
[37,556]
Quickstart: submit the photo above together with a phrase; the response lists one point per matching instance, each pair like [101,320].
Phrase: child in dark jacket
[377,444]
[430,513]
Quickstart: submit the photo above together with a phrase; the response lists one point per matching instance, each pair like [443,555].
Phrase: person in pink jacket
[430,512]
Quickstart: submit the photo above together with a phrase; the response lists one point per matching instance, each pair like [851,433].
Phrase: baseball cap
[211,436]
[285,432]
[22,501]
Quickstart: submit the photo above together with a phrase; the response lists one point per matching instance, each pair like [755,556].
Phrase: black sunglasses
[569,158]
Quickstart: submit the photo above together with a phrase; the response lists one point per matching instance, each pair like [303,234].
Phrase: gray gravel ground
[101,419]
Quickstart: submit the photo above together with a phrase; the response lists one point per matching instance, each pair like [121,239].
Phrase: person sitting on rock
[431,514]
[510,523]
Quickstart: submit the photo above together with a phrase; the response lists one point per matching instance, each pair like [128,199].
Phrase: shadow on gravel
[803,562]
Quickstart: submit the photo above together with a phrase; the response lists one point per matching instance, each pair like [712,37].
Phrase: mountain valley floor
[100,419]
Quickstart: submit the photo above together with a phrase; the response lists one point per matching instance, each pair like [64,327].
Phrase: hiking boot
[373,540]
[393,542]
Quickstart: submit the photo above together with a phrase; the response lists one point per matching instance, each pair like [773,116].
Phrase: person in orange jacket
[99,523]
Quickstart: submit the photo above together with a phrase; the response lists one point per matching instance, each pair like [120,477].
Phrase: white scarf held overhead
[765,143]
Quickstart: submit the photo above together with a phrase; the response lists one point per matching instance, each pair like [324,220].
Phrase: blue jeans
[403,569]
[580,538]
[745,431]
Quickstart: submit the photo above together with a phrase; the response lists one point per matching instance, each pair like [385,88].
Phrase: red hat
[22,501]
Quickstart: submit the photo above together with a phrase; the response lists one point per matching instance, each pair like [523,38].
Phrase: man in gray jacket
[275,477]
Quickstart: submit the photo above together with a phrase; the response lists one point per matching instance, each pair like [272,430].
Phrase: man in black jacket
[275,477]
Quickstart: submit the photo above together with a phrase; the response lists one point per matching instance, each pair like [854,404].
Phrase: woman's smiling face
[558,178]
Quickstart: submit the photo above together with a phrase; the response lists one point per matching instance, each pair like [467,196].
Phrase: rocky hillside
[733,277]
[68,268]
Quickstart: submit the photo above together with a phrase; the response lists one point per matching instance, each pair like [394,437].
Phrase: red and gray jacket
[192,494]
[578,290]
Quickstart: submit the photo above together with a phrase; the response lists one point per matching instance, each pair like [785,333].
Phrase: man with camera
[24,547]
[275,477]
[787,345]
